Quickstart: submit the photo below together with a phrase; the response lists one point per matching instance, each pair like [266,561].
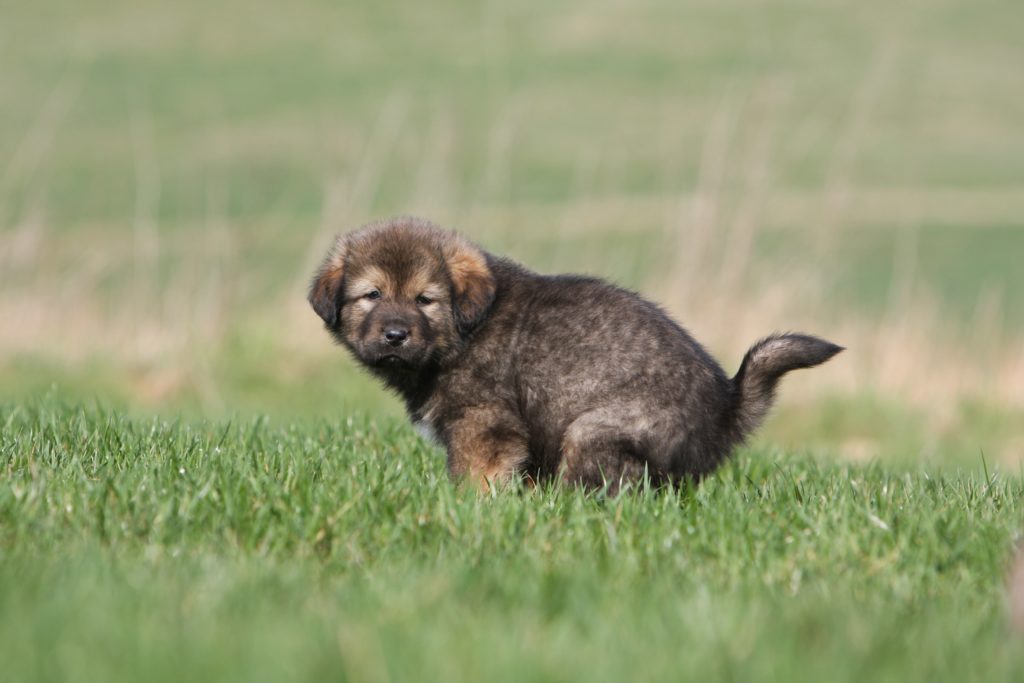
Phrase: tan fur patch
[472,280]
[485,449]
[418,283]
[369,279]
[324,292]
[466,264]
[434,312]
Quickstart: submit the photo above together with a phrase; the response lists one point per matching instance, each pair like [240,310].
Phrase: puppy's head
[402,293]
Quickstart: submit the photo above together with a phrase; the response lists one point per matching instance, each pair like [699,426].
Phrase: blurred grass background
[170,174]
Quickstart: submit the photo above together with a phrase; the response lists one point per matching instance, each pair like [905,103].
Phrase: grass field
[195,484]
[156,550]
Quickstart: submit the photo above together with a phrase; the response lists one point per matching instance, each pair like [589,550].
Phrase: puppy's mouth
[394,359]
[391,360]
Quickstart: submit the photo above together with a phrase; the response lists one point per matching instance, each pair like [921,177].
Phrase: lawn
[154,549]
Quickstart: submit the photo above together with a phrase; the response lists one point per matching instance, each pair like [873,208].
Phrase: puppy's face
[397,312]
[402,294]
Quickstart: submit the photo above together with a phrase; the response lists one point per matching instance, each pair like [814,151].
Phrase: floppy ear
[472,282]
[325,292]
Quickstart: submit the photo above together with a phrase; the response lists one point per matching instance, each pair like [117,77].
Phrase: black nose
[396,335]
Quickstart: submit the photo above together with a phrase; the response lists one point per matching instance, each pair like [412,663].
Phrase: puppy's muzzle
[396,335]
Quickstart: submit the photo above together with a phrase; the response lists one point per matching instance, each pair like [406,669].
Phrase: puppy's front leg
[487,446]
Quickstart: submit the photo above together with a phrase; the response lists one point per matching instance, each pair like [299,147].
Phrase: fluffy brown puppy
[530,376]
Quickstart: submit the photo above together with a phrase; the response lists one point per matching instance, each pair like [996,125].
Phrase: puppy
[533,377]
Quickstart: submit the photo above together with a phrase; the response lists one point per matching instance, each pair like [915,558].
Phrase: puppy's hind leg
[598,451]
[488,447]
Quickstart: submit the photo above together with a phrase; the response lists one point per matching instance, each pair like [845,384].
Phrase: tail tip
[780,353]
[813,350]
[829,349]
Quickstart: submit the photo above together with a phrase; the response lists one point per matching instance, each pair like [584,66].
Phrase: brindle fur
[521,375]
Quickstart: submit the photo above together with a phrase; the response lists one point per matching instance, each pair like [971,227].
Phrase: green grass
[149,549]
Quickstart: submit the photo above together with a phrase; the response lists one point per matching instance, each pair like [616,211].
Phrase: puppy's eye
[423,300]
[372,295]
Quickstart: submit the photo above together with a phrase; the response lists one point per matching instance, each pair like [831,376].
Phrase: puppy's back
[578,346]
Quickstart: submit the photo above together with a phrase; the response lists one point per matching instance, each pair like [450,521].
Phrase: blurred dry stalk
[1015,585]
[836,196]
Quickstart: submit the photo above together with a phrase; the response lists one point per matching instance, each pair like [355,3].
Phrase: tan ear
[472,281]
[325,293]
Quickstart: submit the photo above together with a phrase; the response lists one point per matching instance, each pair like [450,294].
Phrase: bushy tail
[767,361]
